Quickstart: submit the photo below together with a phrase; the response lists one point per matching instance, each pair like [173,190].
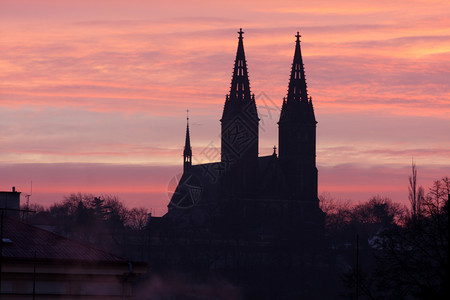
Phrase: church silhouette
[245,194]
[253,222]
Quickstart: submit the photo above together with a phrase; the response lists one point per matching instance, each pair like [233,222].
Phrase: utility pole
[1,250]
[34,276]
[357,266]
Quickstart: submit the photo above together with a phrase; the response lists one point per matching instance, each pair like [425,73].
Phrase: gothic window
[240,69]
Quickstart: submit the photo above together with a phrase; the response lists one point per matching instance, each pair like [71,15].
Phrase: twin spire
[297,83]
[240,96]
[240,85]
[297,106]
[240,100]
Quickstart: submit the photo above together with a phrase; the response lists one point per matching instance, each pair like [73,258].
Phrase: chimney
[14,189]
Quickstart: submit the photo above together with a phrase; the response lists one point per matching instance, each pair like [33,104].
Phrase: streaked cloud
[145,186]
[109,81]
[150,186]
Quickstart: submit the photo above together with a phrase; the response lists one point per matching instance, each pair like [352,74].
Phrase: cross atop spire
[240,33]
[298,36]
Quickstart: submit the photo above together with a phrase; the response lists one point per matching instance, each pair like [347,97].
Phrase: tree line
[402,251]
[103,221]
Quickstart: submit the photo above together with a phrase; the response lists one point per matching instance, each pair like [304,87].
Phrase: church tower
[240,122]
[187,153]
[297,134]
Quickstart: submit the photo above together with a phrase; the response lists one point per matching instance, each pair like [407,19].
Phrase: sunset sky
[93,94]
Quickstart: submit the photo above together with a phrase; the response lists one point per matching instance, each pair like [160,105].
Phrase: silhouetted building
[253,220]
[268,195]
[10,203]
[41,264]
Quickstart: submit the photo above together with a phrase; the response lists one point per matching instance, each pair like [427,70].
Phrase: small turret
[187,153]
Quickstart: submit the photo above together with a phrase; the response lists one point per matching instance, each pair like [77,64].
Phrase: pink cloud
[109,81]
[358,184]
[145,186]
[148,186]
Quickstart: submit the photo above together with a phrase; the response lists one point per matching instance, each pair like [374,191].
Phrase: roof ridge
[60,237]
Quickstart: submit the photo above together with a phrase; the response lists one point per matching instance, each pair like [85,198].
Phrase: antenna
[27,196]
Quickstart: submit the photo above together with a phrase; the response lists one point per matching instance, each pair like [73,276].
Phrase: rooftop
[26,240]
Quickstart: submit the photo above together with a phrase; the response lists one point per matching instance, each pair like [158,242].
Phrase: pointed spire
[240,85]
[297,83]
[297,105]
[187,153]
[240,120]
[240,99]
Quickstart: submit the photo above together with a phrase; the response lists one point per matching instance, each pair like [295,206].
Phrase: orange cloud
[106,81]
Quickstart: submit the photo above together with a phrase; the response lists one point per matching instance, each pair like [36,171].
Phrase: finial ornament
[240,33]
[187,114]
[298,36]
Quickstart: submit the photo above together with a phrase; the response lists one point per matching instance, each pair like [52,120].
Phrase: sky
[93,94]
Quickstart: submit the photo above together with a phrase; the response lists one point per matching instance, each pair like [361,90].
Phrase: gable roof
[26,240]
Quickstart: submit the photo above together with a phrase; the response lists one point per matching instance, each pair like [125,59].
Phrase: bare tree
[137,218]
[411,259]
[437,196]
[338,212]
[416,193]
[379,210]
[446,184]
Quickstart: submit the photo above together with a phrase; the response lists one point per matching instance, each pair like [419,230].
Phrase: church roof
[197,183]
[200,184]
